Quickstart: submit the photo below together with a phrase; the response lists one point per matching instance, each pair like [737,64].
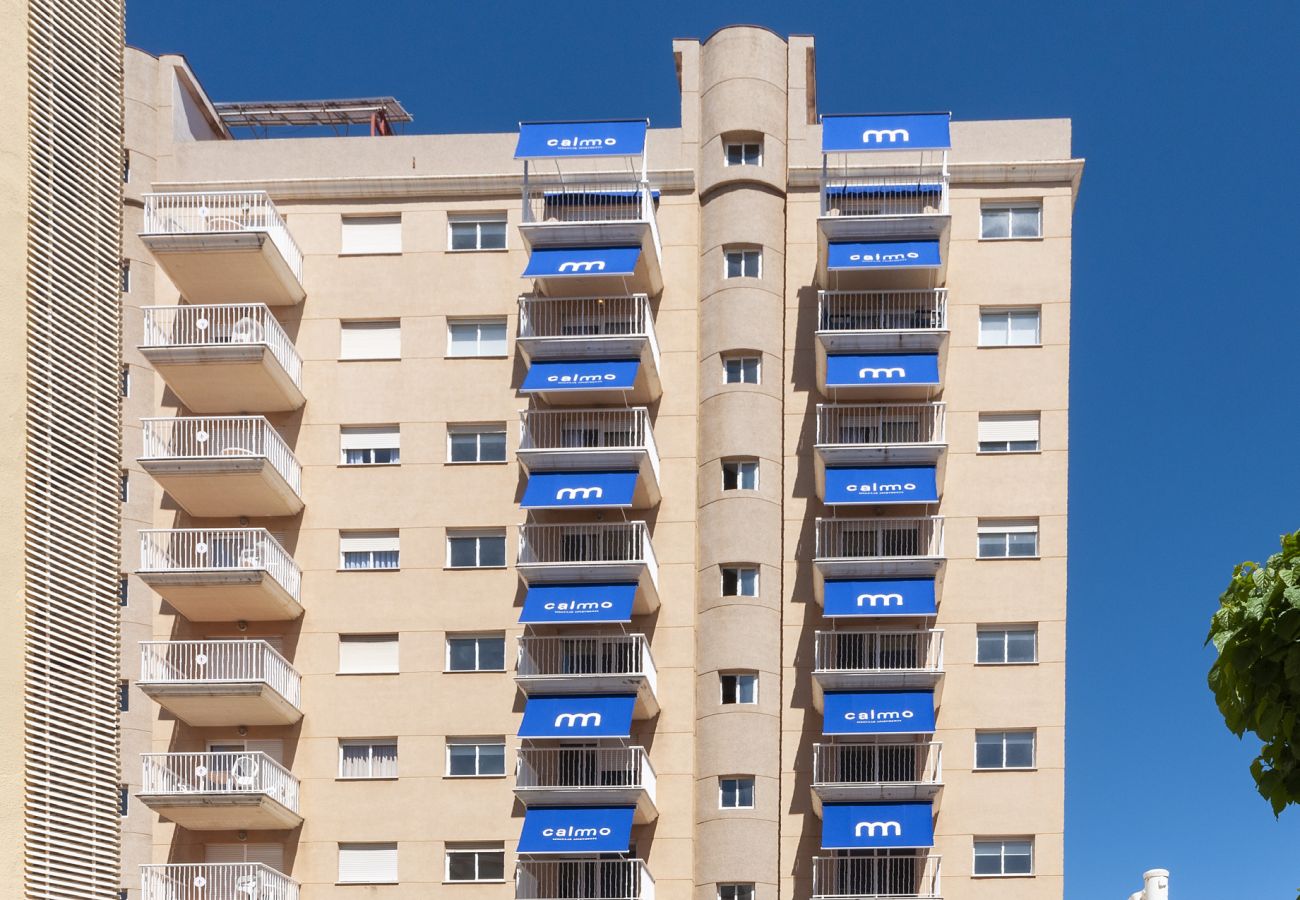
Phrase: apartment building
[597,511]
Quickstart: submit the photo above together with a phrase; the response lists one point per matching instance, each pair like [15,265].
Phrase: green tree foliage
[1256,679]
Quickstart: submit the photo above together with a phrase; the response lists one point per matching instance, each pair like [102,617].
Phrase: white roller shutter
[371,340]
[368,863]
[370,437]
[367,653]
[1008,427]
[357,541]
[268,854]
[372,234]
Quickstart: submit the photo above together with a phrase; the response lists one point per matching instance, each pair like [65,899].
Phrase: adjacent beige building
[722,556]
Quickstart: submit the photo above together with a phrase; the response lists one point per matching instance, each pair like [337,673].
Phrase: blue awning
[881,484]
[852,255]
[884,190]
[851,826]
[546,603]
[565,490]
[577,829]
[879,597]
[878,712]
[548,140]
[912,131]
[581,375]
[881,369]
[574,262]
[578,716]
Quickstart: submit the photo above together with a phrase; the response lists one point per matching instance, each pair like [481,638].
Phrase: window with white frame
[367,654]
[368,863]
[126,276]
[739,687]
[737,369]
[476,550]
[743,153]
[368,758]
[476,862]
[476,653]
[1021,219]
[740,581]
[476,757]
[368,550]
[479,231]
[1018,326]
[736,792]
[1007,644]
[476,337]
[740,474]
[1008,432]
[476,443]
[1004,856]
[377,339]
[742,262]
[370,445]
[368,235]
[1004,749]
[1008,538]
[735,892]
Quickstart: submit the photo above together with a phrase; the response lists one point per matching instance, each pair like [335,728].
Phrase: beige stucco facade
[743,84]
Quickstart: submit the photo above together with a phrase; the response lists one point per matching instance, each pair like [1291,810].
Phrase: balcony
[589,664]
[583,879]
[876,660]
[220,791]
[215,881]
[222,574]
[587,776]
[224,359]
[577,330]
[892,874]
[857,321]
[871,548]
[222,246]
[212,683]
[605,553]
[878,434]
[599,440]
[889,770]
[223,466]
[860,203]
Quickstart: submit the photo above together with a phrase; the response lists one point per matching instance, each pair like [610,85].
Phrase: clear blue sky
[1184,428]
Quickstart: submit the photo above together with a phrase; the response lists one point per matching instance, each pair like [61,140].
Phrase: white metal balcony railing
[566,655]
[588,429]
[879,651]
[918,191]
[593,199]
[887,762]
[208,662]
[221,212]
[583,879]
[614,542]
[219,325]
[548,317]
[218,549]
[880,423]
[215,881]
[880,538]
[584,767]
[919,310]
[208,437]
[892,874]
[236,774]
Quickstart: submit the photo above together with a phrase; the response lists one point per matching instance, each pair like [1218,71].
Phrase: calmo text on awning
[878,712]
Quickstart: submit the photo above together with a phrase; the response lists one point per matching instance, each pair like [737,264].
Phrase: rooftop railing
[220,437]
[880,538]
[566,655]
[215,881]
[219,662]
[220,325]
[887,762]
[880,423]
[584,767]
[583,879]
[613,542]
[918,310]
[892,874]
[879,651]
[218,549]
[221,212]
[918,191]
[235,774]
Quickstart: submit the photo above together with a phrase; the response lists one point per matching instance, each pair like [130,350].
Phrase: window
[126,166]
[123,590]
[1008,432]
[477,337]
[476,757]
[124,489]
[123,799]
[742,263]
[476,862]
[736,792]
[126,275]
[744,154]
[739,687]
[1007,646]
[476,443]
[368,758]
[123,696]
[1011,220]
[368,550]
[735,892]
[740,474]
[371,234]
[483,232]
[1018,327]
[740,369]
[126,381]
[1004,750]
[1004,857]
[368,863]
[739,581]
[999,540]
[371,340]
[367,654]
[476,653]
[476,551]
[370,445]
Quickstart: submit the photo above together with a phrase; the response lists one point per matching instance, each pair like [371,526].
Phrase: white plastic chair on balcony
[247,884]
[246,331]
[251,557]
[243,773]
